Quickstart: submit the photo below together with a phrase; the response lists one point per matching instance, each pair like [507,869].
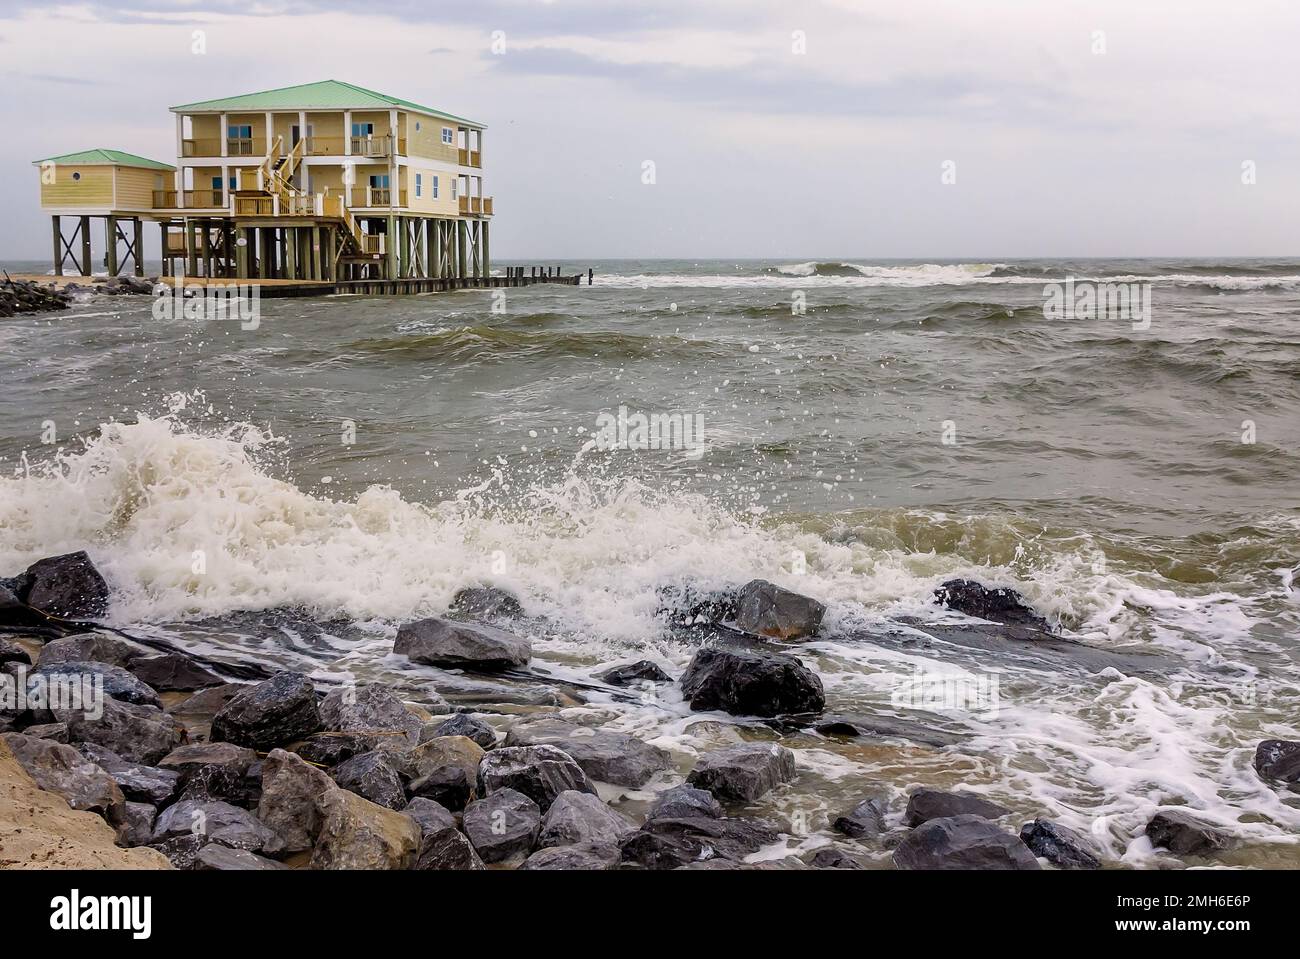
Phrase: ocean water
[869,429]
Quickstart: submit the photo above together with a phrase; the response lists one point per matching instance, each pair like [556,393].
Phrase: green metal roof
[325,95]
[106,158]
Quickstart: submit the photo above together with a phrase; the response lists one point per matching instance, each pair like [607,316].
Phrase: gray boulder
[743,772]
[442,845]
[634,674]
[368,709]
[218,822]
[290,802]
[13,653]
[962,842]
[926,804]
[171,672]
[67,586]
[486,602]
[502,825]
[115,680]
[141,734]
[273,713]
[330,749]
[768,610]
[685,802]
[866,820]
[90,648]
[61,769]
[999,605]
[751,683]
[1279,760]
[441,642]
[463,724]
[357,834]
[372,776]
[608,756]
[217,858]
[539,772]
[138,828]
[186,759]
[1060,846]
[674,843]
[577,817]
[1185,835]
[138,782]
[587,856]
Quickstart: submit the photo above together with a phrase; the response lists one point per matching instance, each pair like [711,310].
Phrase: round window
[76,176]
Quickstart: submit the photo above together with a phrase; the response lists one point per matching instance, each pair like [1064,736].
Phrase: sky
[928,129]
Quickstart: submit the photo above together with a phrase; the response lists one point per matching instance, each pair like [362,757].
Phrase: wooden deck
[287,288]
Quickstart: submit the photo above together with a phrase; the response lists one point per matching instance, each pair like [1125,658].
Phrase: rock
[1059,845]
[54,732]
[273,713]
[458,751]
[186,759]
[866,820]
[168,672]
[829,857]
[743,772]
[67,586]
[999,605]
[181,851]
[502,825]
[764,609]
[463,724]
[15,613]
[357,834]
[63,770]
[582,856]
[371,776]
[89,648]
[683,607]
[440,642]
[672,843]
[486,602]
[634,674]
[926,804]
[291,794]
[138,782]
[577,817]
[1184,834]
[139,734]
[330,749]
[887,727]
[1278,759]
[746,683]
[217,858]
[685,802]
[368,709]
[442,845]
[448,786]
[539,772]
[608,756]
[114,680]
[138,828]
[962,842]
[218,822]
[197,711]
[13,653]
[223,784]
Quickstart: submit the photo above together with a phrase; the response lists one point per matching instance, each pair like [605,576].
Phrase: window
[434,194]
[363,129]
[453,188]
[216,183]
[379,182]
[76,176]
[417,126]
[448,135]
[239,132]
[417,184]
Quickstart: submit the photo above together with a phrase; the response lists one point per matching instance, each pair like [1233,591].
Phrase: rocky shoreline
[30,296]
[184,767]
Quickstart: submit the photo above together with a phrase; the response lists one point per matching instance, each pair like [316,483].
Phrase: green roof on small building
[324,95]
[106,158]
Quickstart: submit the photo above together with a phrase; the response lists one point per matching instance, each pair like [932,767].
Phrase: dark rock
[61,769]
[181,851]
[186,759]
[747,683]
[585,856]
[371,776]
[577,817]
[330,749]
[539,772]
[15,613]
[273,713]
[90,648]
[138,828]
[685,802]
[486,602]
[434,754]
[197,711]
[138,782]
[368,709]
[358,834]
[54,732]
[1184,834]
[634,674]
[926,804]
[1000,605]
[218,822]
[743,772]
[218,858]
[829,857]
[1059,845]
[962,842]
[608,756]
[764,609]
[290,800]
[13,653]
[140,734]
[463,724]
[683,607]
[440,642]
[169,672]
[448,786]
[442,845]
[1278,759]
[502,825]
[67,586]
[671,843]
[866,820]
[223,784]
[886,727]
[115,680]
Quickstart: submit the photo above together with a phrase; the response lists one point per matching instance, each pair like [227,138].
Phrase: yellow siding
[135,187]
[78,186]
[425,203]
[427,141]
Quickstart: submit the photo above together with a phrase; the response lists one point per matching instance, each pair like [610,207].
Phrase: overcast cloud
[1060,150]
